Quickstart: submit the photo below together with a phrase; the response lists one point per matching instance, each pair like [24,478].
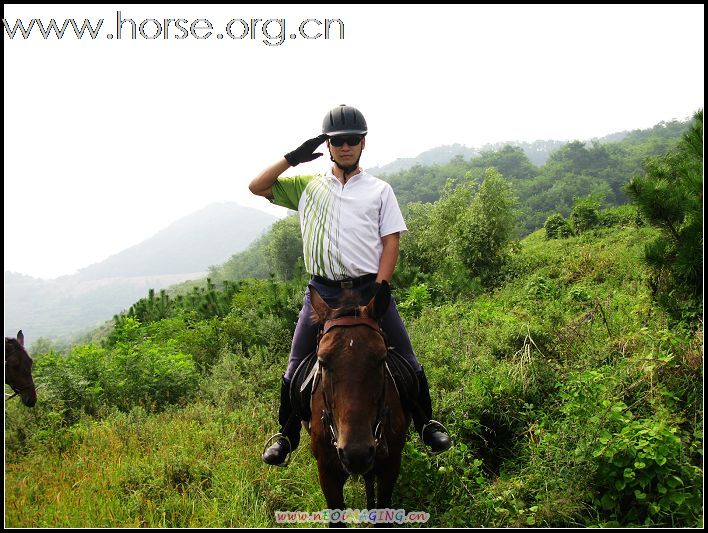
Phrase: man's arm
[262,185]
[389,257]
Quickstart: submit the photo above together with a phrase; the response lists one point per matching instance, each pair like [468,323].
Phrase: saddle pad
[405,378]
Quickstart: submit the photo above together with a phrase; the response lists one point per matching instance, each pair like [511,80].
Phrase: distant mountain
[192,244]
[439,155]
[60,309]
[537,151]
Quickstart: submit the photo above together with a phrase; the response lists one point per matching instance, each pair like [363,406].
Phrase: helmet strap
[348,169]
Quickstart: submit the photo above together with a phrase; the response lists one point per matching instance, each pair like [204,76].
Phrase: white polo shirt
[342,225]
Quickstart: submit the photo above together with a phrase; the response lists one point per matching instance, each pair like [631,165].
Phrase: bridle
[382,410]
[17,390]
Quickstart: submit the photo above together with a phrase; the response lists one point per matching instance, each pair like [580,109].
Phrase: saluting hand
[304,152]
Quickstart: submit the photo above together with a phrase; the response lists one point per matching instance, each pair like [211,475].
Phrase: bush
[461,242]
[416,299]
[643,476]
[624,215]
[136,370]
[557,227]
[585,214]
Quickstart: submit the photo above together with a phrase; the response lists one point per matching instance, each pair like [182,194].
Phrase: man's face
[346,154]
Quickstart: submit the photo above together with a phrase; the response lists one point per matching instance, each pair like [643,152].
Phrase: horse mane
[348,310]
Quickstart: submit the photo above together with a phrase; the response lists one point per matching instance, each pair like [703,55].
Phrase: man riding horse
[351,225]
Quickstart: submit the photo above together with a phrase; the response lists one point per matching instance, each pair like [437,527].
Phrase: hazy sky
[108,141]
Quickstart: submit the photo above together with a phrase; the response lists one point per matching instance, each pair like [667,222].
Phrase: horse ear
[21,338]
[319,306]
[380,302]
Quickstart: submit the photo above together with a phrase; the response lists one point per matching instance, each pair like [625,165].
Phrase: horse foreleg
[386,480]
[369,481]
[332,482]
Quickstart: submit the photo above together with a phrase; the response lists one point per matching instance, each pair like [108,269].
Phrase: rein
[18,392]
[382,410]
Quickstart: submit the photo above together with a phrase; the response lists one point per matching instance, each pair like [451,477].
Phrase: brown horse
[358,423]
[18,370]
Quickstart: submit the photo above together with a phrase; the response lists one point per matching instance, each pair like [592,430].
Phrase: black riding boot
[431,431]
[289,436]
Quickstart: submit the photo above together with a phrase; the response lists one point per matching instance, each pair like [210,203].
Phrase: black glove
[304,152]
[369,293]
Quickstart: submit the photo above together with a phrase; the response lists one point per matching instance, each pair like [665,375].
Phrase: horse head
[18,370]
[352,353]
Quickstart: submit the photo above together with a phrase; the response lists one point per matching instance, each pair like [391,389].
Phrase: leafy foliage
[643,476]
[136,370]
[484,231]
[585,214]
[283,252]
[462,239]
[557,227]
[575,170]
[670,196]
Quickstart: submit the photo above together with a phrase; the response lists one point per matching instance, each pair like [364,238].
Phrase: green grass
[572,400]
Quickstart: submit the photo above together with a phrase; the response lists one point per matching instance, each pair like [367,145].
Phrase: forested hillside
[567,365]
[572,171]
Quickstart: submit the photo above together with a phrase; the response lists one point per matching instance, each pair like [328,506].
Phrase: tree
[284,247]
[510,161]
[485,229]
[670,196]
[427,248]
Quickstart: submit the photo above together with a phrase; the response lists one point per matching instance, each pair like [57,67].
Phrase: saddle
[308,373]
[302,385]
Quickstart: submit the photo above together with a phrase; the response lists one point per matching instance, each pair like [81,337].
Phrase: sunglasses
[351,140]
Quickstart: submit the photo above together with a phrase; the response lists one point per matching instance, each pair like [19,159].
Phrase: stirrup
[286,462]
[442,429]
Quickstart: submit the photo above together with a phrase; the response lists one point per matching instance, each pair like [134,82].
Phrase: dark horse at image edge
[18,370]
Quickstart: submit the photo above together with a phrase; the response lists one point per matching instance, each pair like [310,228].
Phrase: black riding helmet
[344,120]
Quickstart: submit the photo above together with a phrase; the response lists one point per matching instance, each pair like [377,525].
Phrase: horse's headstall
[351,321]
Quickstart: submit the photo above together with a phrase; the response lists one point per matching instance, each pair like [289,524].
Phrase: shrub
[585,214]
[557,227]
[643,475]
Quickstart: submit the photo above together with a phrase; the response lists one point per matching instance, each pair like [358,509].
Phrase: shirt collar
[355,177]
